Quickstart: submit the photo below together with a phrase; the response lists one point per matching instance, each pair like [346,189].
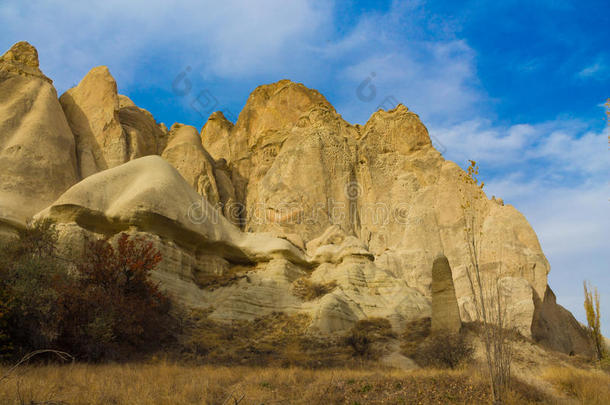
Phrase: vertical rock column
[445,311]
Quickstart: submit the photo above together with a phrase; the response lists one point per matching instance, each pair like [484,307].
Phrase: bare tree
[490,304]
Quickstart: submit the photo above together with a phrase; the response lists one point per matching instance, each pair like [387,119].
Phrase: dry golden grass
[586,386]
[167,383]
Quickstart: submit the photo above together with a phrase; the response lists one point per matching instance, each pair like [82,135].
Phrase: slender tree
[593,319]
[491,308]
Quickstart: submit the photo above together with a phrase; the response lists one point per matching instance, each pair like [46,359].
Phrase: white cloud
[434,78]
[231,38]
[599,69]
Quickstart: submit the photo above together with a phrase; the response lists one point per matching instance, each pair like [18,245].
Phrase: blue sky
[518,86]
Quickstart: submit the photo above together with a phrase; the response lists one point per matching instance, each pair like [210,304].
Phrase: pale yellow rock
[37,159]
[269,114]
[215,136]
[149,195]
[185,152]
[368,208]
[144,136]
[303,169]
[21,60]
[364,291]
[92,110]
[445,310]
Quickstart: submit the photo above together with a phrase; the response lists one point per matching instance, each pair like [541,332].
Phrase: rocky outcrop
[109,128]
[291,195]
[209,178]
[185,152]
[383,184]
[555,327]
[148,197]
[445,311]
[216,136]
[92,110]
[37,160]
[145,137]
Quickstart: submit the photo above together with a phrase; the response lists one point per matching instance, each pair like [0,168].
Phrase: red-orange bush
[113,309]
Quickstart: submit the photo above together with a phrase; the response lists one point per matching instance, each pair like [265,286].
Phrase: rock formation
[37,157]
[109,129]
[290,195]
[445,311]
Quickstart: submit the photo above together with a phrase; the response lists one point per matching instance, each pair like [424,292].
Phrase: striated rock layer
[289,197]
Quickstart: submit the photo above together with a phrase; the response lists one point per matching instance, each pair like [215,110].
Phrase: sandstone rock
[555,327]
[215,136]
[367,208]
[269,114]
[92,110]
[334,245]
[21,60]
[149,195]
[364,291]
[37,160]
[185,153]
[383,185]
[144,136]
[445,310]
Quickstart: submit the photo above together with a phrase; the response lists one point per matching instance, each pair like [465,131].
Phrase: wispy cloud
[228,39]
[599,70]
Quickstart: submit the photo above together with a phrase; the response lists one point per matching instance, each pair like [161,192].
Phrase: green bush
[29,272]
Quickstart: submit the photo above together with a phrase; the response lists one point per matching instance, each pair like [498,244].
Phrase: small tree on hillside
[114,309]
[490,306]
[593,319]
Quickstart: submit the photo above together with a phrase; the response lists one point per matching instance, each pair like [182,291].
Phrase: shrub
[113,308]
[443,349]
[415,333]
[28,273]
[366,332]
[308,290]
[107,308]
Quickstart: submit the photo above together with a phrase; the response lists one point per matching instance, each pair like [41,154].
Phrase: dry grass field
[167,383]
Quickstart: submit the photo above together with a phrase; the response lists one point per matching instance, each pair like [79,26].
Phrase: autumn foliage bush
[102,305]
[112,308]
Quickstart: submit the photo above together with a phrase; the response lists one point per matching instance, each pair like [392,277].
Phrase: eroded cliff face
[291,195]
[37,156]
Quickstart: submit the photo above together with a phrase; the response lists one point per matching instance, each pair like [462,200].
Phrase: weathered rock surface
[149,197]
[383,184]
[37,160]
[215,136]
[210,179]
[185,152]
[92,110]
[555,327]
[364,209]
[445,310]
[109,128]
[145,137]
